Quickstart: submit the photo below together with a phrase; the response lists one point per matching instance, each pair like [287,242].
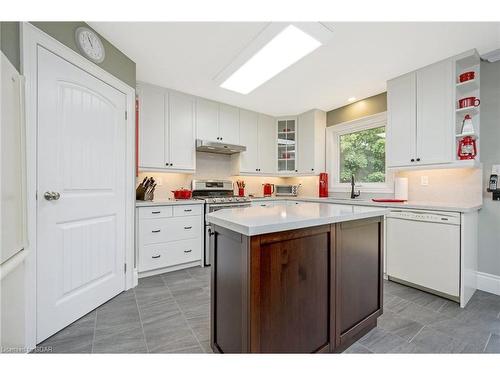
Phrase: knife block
[141,195]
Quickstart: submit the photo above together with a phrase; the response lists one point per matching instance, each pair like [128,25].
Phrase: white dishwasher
[423,250]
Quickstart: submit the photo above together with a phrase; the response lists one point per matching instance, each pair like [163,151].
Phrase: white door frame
[33,37]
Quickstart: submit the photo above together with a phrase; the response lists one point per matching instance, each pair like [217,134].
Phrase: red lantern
[467,148]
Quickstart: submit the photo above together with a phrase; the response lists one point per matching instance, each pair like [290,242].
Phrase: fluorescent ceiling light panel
[285,49]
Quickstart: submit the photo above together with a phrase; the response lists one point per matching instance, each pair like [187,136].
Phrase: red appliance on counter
[268,189]
[467,148]
[323,185]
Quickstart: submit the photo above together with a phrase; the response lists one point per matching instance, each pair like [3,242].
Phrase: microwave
[287,190]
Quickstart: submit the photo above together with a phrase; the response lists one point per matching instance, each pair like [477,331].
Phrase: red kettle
[268,189]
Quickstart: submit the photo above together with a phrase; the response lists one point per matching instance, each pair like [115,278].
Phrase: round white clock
[90,44]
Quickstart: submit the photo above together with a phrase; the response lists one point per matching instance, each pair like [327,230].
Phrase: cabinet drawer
[169,254]
[188,210]
[169,229]
[155,212]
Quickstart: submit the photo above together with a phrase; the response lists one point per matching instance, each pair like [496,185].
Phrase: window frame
[333,134]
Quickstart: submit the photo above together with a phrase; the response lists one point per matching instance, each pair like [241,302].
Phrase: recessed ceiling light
[351,99]
[286,48]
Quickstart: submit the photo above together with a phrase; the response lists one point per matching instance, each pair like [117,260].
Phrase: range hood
[218,147]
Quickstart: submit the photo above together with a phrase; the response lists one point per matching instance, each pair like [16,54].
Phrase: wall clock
[90,44]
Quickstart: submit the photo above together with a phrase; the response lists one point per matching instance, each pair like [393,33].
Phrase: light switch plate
[424,180]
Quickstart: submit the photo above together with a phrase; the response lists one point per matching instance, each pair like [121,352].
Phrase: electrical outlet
[424,180]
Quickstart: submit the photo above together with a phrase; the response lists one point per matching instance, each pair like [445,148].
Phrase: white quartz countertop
[170,202]
[256,220]
[416,205]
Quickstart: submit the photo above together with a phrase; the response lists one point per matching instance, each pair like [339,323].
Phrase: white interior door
[81,157]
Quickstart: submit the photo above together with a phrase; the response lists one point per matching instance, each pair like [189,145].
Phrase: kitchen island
[302,278]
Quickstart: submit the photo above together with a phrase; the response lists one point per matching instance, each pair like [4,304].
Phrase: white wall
[489,216]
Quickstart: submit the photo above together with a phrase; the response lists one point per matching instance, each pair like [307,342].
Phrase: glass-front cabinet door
[287,129]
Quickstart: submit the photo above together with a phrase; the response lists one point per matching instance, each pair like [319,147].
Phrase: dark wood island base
[311,290]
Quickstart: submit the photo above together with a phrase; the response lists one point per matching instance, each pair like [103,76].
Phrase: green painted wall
[366,107]
[9,42]
[116,63]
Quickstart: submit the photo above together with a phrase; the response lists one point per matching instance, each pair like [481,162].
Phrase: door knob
[51,195]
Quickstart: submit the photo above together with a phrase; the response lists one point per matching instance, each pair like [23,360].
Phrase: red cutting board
[382,200]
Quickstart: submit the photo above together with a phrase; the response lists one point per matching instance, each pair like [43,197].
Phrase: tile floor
[169,313]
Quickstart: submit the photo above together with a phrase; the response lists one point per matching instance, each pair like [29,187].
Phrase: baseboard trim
[488,282]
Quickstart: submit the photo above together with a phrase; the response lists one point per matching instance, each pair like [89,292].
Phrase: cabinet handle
[155,231]
[188,251]
[156,212]
[312,169]
[187,227]
[412,160]
[418,159]
[171,164]
[296,170]
[188,210]
[156,256]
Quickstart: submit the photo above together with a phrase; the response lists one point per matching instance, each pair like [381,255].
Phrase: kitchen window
[358,148]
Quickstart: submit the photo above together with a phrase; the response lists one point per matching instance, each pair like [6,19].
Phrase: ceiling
[356,62]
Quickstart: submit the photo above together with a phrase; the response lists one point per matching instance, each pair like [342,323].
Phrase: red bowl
[467,76]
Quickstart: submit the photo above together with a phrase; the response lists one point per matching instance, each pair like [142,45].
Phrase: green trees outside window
[362,154]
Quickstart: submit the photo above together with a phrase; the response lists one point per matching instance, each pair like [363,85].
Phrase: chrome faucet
[353,193]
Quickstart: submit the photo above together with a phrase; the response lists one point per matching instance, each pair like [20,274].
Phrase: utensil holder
[241,192]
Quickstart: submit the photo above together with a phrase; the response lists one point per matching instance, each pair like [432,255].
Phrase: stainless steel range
[218,195]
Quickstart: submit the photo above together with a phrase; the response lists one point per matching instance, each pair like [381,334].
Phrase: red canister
[323,185]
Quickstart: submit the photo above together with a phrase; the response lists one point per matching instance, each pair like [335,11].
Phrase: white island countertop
[251,221]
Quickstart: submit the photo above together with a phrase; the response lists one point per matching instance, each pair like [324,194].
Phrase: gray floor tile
[493,344]
[471,333]
[170,313]
[185,344]
[76,338]
[205,345]
[151,295]
[200,327]
[357,348]
[380,341]
[124,341]
[420,314]
[437,342]
[398,325]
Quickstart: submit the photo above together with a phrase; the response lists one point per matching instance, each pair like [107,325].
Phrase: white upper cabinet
[207,120]
[401,120]
[311,142]
[435,128]
[182,131]
[229,123]
[249,134]
[152,134]
[257,133]
[166,129]
[420,128]
[217,122]
[267,144]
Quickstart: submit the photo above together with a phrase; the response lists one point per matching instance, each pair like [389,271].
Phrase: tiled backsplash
[444,185]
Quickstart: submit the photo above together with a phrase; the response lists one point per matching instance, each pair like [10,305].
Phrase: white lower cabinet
[169,238]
